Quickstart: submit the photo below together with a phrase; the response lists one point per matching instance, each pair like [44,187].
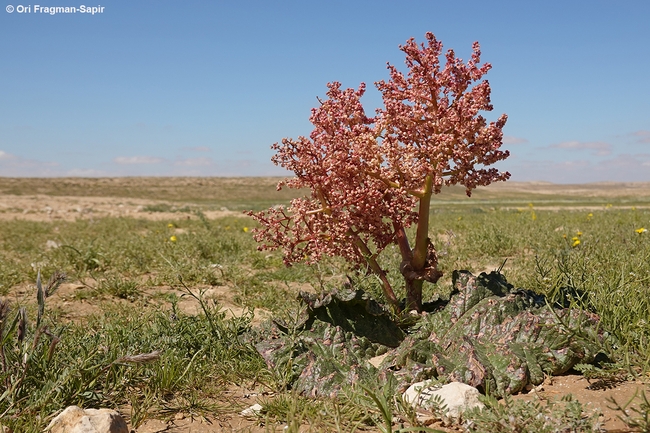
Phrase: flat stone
[456,396]
[252,411]
[77,420]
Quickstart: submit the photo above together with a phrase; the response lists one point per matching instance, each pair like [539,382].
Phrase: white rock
[376,361]
[252,411]
[51,245]
[458,397]
[77,420]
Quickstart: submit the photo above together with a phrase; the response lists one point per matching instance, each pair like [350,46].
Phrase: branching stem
[374,266]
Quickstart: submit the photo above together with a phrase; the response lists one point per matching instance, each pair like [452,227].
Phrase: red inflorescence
[367,174]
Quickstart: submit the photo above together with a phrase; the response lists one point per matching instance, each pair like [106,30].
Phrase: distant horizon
[528,182]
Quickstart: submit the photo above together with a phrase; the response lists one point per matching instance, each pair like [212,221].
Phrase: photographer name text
[54,10]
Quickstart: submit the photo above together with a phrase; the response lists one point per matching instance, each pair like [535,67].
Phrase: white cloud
[8,160]
[13,165]
[572,165]
[86,172]
[621,168]
[142,165]
[128,160]
[4,156]
[193,162]
[198,149]
[642,136]
[600,148]
[509,139]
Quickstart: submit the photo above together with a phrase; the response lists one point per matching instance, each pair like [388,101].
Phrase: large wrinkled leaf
[488,335]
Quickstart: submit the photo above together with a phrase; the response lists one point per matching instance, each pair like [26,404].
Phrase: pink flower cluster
[367,174]
[431,122]
[336,163]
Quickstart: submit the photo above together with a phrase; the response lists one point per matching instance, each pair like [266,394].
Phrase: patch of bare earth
[231,420]
[597,189]
[76,301]
[594,395]
[228,419]
[72,208]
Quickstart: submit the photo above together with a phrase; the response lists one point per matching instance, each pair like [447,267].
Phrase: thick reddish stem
[374,266]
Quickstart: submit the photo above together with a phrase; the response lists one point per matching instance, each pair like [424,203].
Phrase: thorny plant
[373,177]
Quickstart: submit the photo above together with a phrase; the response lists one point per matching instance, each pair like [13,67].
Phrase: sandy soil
[593,397]
[598,189]
[71,208]
[593,400]
[59,206]
[73,198]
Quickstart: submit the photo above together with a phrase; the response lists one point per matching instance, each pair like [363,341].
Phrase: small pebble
[252,411]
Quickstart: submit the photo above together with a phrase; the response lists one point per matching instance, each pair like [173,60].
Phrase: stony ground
[44,204]
[594,398]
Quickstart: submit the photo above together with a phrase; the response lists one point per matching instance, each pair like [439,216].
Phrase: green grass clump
[565,415]
[122,254]
[116,285]
[154,361]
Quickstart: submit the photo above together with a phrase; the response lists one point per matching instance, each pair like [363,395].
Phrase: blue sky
[203,88]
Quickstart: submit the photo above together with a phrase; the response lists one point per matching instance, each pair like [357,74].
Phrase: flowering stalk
[368,175]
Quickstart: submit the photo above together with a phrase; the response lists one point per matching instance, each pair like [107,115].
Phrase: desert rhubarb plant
[373,177]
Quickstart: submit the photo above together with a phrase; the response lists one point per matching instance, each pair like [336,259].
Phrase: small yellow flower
[460,218]
[608,205]
[576,242]
[590,216]
[534,216]
[633,207]
[245,229]
[173,239]
[170,226]
[530,205]
[578,233]
[564,236]
[641,230]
